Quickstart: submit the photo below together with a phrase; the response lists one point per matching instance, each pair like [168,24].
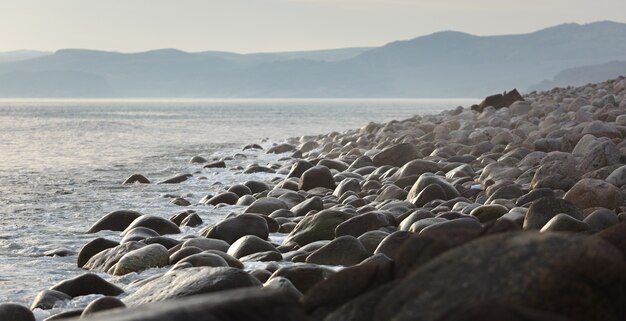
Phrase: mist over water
[62,164]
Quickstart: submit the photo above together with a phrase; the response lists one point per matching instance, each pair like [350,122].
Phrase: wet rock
[256,186]
[176,179]
[312,204]
[136,178]
[203,259]
[601,219]
[183,253]
[266,206]
[192,220]
[102,304]
[347,185]
[298,168]
[197,159]
[544,209]
[564,223]
[160,225]
[225,198]
[344,250]
[232,262]
[240,190]
[191,281]
[317,176]
[303,276]
[252,146]
[206,244]
[281,283]
[488,213]
[15,312]
[92,248]
[232,229]
[281,148]
[360,224]
[218,164]
[138,234]
[267,256]
[46,299]
[590,192]
[396,155]
[104,260]
[549,255]
[249,244]
[115,221]
[85,284]
[238,304]
[149,256]
[319,226]
[372,239]
[179,201]
[64,315]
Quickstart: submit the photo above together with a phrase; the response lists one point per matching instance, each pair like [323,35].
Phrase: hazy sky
[273,25]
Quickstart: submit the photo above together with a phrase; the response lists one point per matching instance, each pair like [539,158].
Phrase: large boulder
[231,229]
[191,281]
[102,304]
[104,260]
[522,269]
[319,226]
[590,192]
[314,203]
[46,299]
[360,224]
[396,155]
[115,221]
[427,179]
[156,223]
[149,256]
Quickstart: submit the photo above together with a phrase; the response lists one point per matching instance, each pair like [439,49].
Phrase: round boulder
[589,192]
[317,176]
[149,256]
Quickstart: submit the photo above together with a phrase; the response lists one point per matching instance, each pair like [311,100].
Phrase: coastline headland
[507,212]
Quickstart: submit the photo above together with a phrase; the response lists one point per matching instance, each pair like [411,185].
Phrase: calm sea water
[62,162]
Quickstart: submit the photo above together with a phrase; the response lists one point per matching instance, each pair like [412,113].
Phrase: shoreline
[463,205]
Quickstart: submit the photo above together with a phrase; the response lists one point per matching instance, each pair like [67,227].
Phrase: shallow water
[62,162]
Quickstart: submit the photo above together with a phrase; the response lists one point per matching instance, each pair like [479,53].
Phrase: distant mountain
[18,55]
[443,64]
[583,75]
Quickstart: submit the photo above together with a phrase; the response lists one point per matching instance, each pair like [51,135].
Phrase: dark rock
[137,178]
[240,190]
[104,260]
[240,304]
[252,146]
[204,259]
[495,311]
[64,315]
[191,281]
[102,304]
[160,225]
[319,226]
[498,101]
[258,169]
[303,276]
[183,253]
[465,224]
[179,201]
[192,220]
[360,224]
[249,244]
[344,250]
[178,218]
[391,192]
[115,221]
[176,179]
[312,204]
[267,256]
[138,234]
[347,185]
[564,223]
[266,206]
[429,193]
[207,244]
[426,179]
[298,168]
[281,148]
[601,219]
[488,213]
[197,159]
[391,244]
[46,299]
[317,176]
[415,216]
[149,256]
[165,241]
[225,198]
[558,261]
[92,248]
[232,262]
[333,164]
[396,155]
[85,284]
[218,164]
[544,209]
[534,195]
[590,192]
[256,186]
[372,239]
[362,307]
[232,229]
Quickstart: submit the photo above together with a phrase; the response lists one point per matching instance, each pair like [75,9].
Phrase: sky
[247,26]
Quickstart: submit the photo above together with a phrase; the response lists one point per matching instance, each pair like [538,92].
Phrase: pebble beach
[507,212]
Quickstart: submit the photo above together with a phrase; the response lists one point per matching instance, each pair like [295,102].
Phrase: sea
[62,164]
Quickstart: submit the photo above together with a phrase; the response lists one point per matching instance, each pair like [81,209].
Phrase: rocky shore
[511,210]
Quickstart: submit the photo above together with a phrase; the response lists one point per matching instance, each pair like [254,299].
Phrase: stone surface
[115,221]
[344,250]
[232,229]
[589,192]
[544,209]
[319,226]
[160,225]
[85,284]
[15,312]
[191,281]
[396,155]
[92,248]
[317,176]
[149,256]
